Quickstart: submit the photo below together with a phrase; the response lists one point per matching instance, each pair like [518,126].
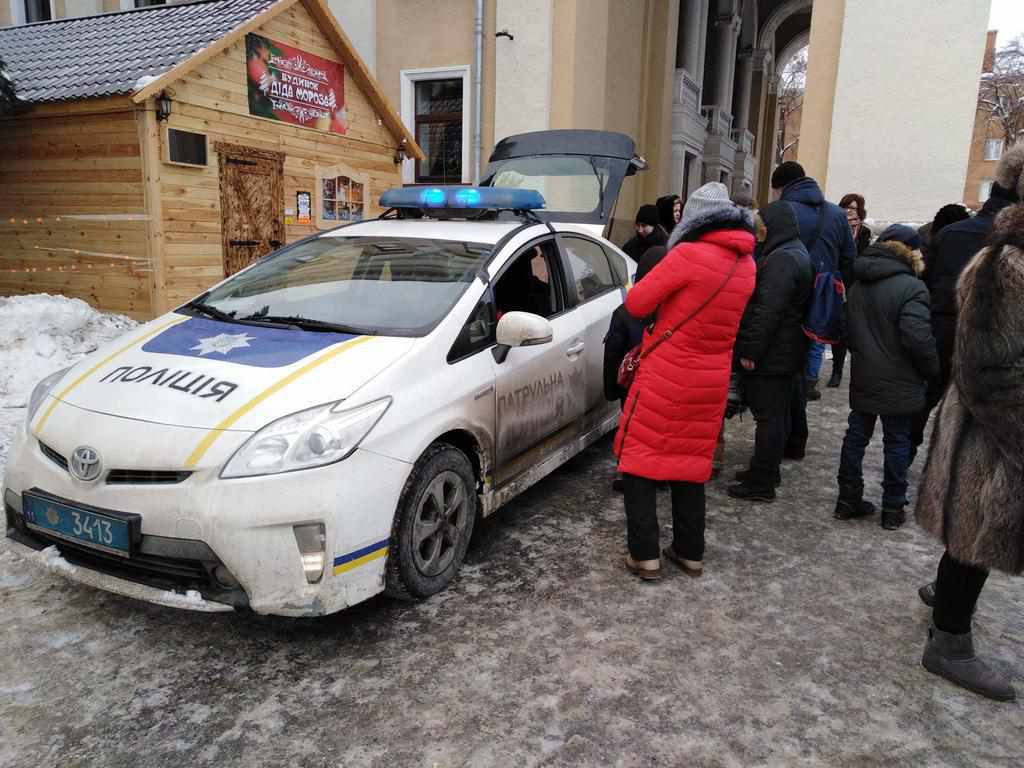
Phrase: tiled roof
[107,54]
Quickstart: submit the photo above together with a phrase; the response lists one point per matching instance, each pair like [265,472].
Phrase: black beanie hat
[786,174]
[648,214]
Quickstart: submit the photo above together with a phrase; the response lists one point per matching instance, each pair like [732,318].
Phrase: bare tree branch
[1001,94]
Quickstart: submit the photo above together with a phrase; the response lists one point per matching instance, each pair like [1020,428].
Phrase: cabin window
[185,147]
[37,10]
[342,196]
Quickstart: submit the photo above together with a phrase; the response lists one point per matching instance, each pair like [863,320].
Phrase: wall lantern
[163,106]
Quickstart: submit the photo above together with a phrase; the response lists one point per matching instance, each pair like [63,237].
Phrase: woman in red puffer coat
[674,409]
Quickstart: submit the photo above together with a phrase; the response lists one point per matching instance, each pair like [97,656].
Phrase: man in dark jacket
[772,347]
[826,233]
[950,251]
[894,356]
[648,233]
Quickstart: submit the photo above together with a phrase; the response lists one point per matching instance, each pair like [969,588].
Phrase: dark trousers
[957,587]
[896,437]
[770,399]
[796,442]
[838,360]
[688,509]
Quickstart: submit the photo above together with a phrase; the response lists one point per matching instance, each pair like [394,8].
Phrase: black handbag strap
[668,334]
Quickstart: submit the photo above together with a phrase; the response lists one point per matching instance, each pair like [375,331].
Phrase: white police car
[329,422]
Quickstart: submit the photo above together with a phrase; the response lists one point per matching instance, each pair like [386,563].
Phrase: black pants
[957,588]
[770,399]
[796,442]
[688,509]
[838,359]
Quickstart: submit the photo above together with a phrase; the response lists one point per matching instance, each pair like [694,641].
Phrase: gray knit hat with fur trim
[710,198]
[1010,171]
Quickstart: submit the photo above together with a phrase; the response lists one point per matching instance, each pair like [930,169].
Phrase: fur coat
[972,490]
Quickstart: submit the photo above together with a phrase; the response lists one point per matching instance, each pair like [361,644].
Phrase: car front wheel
[433,524]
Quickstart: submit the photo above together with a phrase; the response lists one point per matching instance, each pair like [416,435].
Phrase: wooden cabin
[158,150]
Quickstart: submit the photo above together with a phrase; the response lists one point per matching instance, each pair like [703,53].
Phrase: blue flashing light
[480,198]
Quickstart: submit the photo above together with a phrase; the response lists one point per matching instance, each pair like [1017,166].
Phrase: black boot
[743,476]
[851,509]
[952,657]
[838,362]
[745,492]
[927,594]
[893,518]
[813,393]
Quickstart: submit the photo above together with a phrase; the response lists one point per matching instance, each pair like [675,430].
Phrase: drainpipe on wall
[478,85]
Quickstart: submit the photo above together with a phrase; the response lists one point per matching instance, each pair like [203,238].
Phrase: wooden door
[251,204]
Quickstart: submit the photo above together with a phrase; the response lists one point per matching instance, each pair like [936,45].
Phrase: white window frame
[998,154]
[984,190]
[19,14]
[409,78]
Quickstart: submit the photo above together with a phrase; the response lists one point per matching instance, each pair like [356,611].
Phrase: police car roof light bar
[454,197]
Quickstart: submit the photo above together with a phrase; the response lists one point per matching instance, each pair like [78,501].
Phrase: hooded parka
[889,332]
[771,333]
[673,413]
[834,250]
[972,490]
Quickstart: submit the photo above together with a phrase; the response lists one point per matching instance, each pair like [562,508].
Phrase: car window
[478,331]
[591,272]
[531,283]
[398,286]
[619,270]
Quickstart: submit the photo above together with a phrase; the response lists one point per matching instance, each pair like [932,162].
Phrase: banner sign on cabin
[293,86]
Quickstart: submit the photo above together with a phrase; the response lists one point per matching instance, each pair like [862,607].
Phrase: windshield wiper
[307,324]
[211,311]
[229,317]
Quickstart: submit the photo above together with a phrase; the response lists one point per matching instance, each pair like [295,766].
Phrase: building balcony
[744,141]
[719,122]
[685,92]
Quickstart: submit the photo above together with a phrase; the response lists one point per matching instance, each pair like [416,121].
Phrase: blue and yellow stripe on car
[361,556]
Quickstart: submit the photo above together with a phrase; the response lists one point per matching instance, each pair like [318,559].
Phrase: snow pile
[190,599]
[40,334]
[50,559]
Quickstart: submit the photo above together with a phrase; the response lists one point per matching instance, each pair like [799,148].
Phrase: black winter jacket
[637,246]
[950,251]
[834,249]
[771,332]
[890,333]
[624,333]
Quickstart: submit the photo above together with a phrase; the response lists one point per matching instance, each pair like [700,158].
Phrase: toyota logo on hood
[85,463]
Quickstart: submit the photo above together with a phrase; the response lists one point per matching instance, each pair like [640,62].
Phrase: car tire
[433,524]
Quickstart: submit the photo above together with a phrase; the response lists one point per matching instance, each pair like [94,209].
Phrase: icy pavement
[799,647]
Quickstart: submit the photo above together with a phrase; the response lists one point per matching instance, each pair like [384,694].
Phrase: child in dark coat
[625,331]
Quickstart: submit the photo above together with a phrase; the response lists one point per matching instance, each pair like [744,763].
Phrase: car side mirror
[521,329]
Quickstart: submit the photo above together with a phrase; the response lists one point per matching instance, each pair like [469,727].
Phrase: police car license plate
[111,532]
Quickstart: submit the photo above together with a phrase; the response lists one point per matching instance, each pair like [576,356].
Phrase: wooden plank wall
[72,210]
[213,99]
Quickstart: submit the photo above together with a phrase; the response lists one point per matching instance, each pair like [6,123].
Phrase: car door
[540,393]
[597,284]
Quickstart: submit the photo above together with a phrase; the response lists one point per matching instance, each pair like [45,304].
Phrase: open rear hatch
[579,172]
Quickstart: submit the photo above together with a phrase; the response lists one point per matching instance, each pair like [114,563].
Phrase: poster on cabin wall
[293,86]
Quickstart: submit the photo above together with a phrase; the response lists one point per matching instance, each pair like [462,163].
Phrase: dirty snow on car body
[40,334]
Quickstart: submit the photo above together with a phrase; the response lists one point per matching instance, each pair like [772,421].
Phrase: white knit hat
[712,197]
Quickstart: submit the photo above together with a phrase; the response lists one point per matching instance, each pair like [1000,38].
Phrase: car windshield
[399,286]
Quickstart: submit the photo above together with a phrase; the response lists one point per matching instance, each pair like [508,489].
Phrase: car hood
[197,372]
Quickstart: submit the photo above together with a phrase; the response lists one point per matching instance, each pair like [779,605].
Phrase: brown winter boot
[647,570]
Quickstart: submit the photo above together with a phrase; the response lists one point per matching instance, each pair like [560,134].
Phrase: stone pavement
[800,647]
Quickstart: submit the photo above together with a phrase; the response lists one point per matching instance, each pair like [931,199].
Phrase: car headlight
[311,438]
[40,392]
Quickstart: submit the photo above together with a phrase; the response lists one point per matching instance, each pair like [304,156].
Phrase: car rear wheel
[433,524]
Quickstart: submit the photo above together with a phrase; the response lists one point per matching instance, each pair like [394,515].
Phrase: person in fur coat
[972,489]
